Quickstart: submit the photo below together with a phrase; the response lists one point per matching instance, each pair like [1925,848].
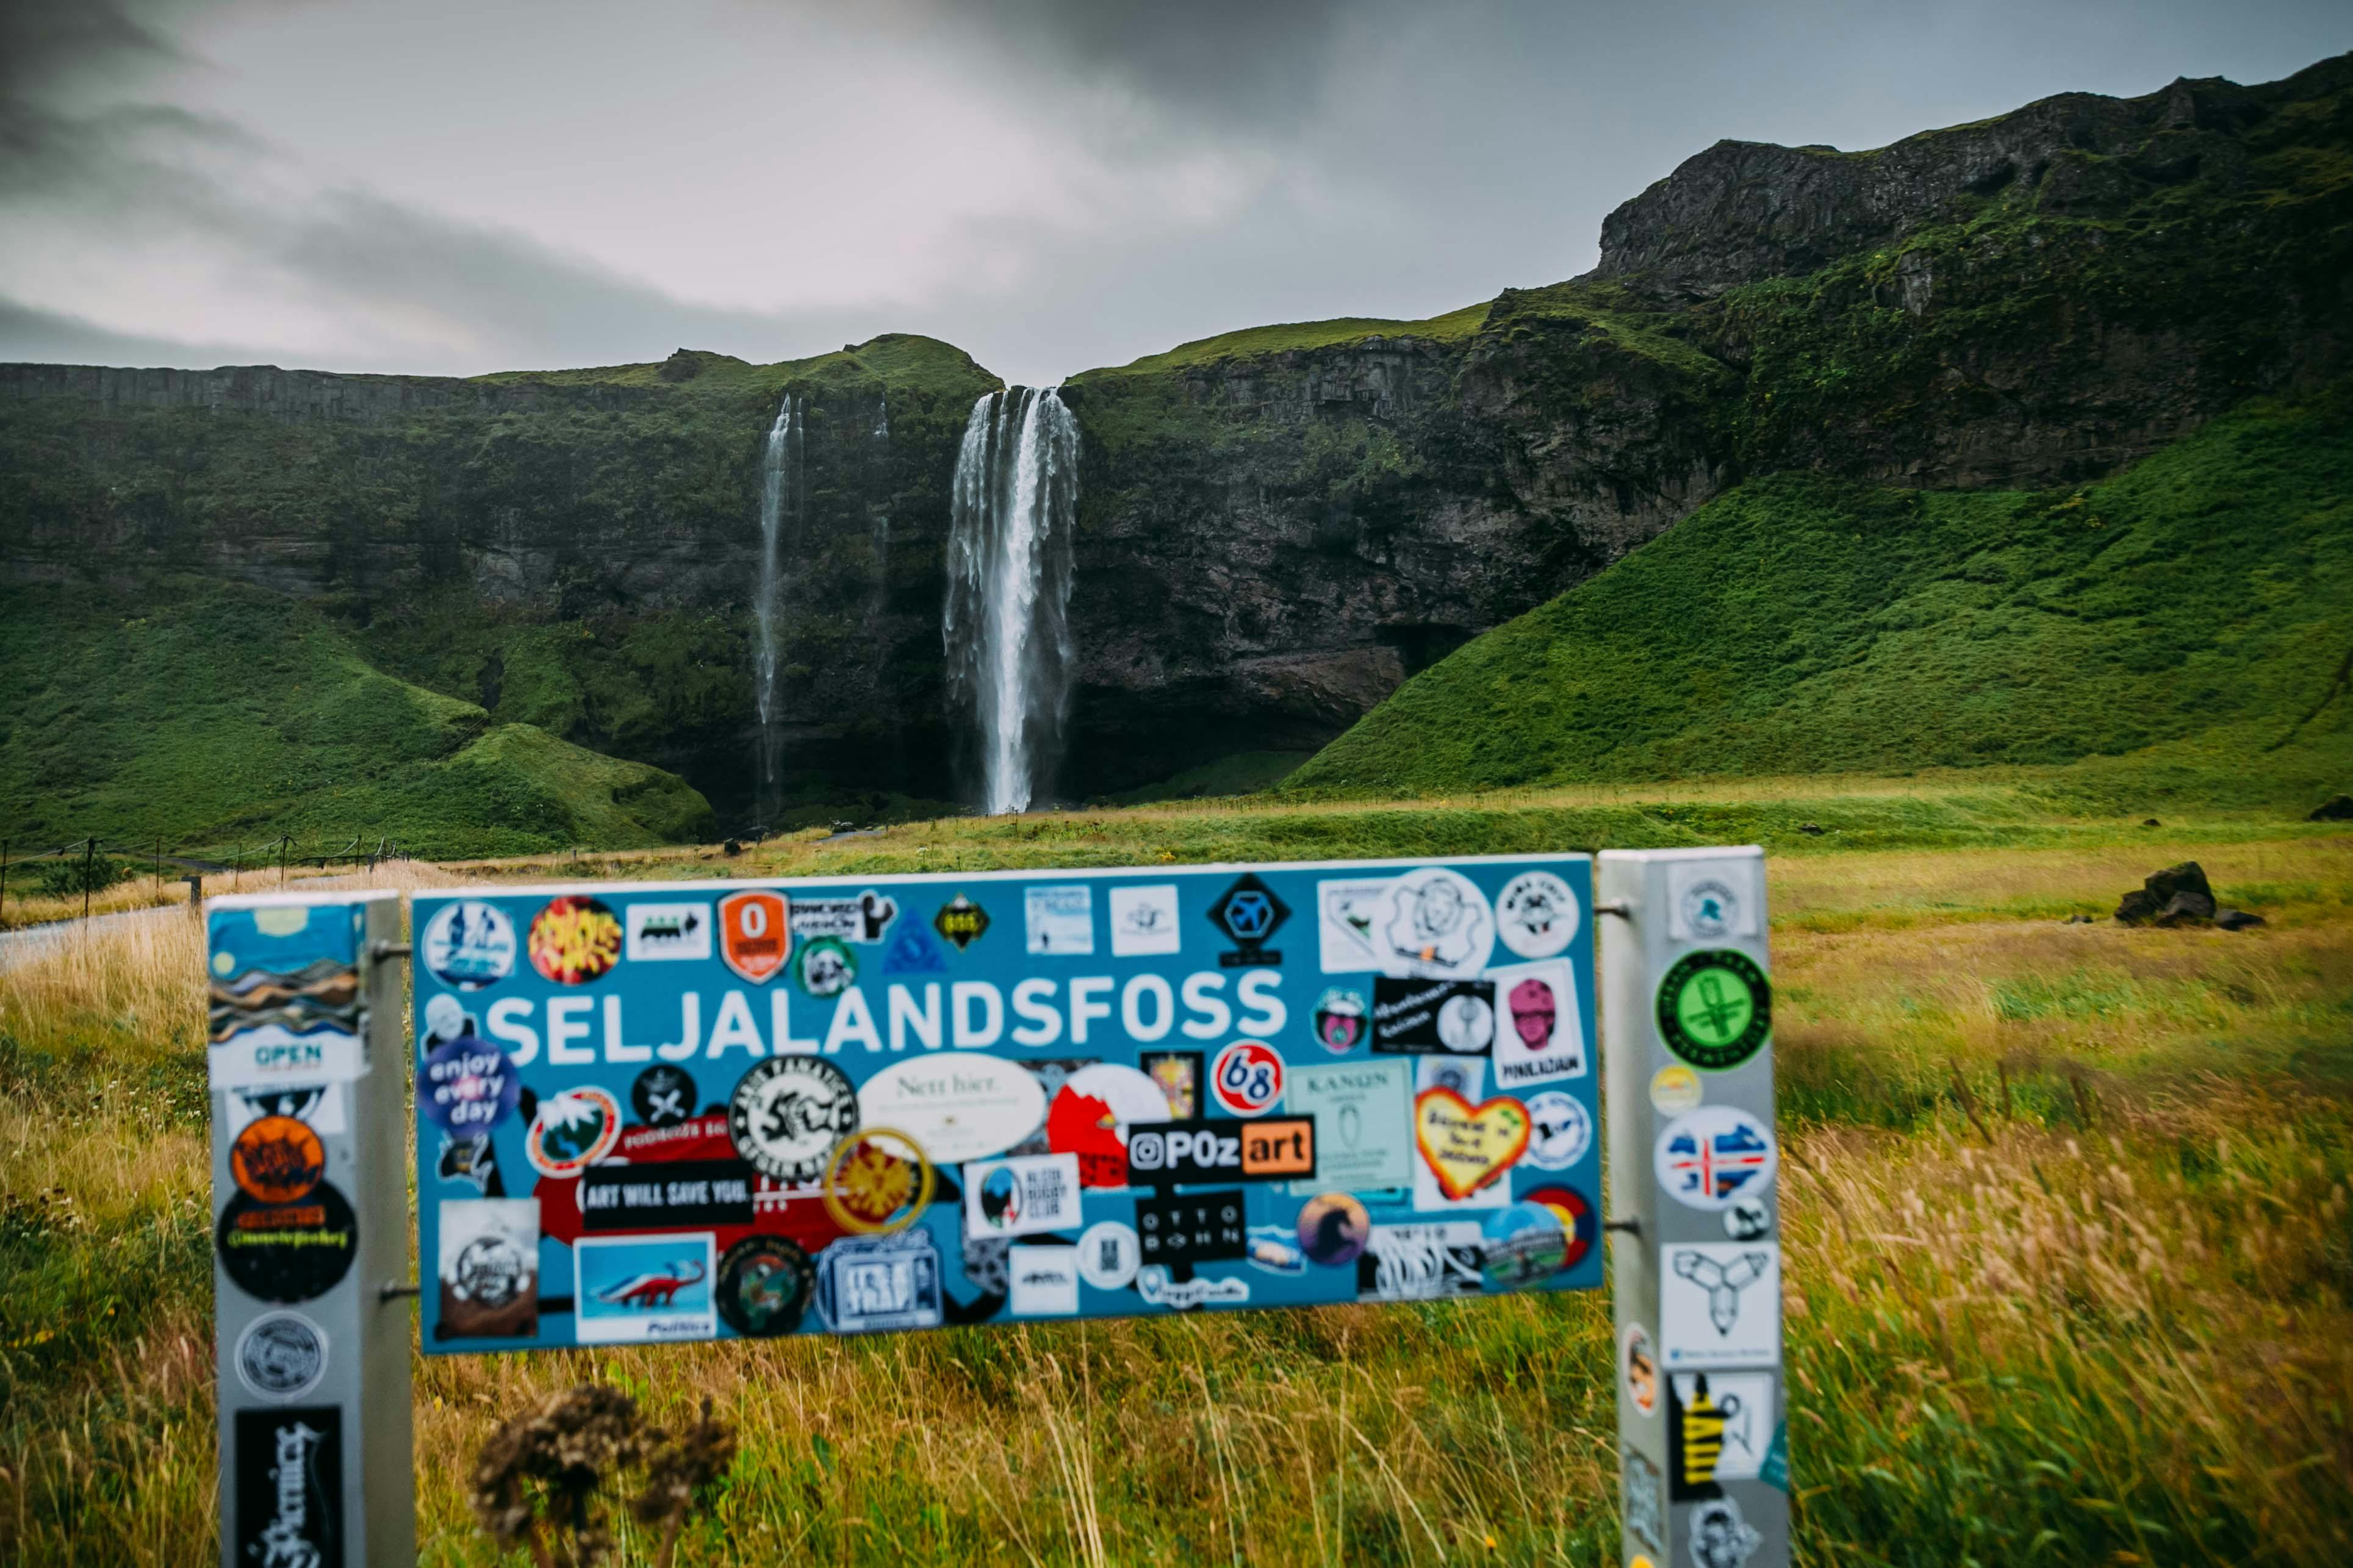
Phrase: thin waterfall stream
[780,491]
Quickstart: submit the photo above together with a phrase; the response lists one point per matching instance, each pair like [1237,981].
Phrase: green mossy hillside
[213,716]
[2188,621]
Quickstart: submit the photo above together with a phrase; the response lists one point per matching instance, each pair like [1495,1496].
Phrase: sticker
[787,1113]
[877,1181]
[1273,1249]
[1541,1037]
[1720,1305]
[1716,1008]
[466,1085]
[575,939]
[288,1252]
[1179,1075]
[469,944]
[1088,1117]
[696,1138]
[1250,915]
[1158,1289]
[1748,1219]
[1643,1507]
[1021,1196]
[1718,1426]
[1675,1088]
[1720,1538]
[1042,1282]
[1339,1018]
[272,1055]
[1775,1471]
[961,921]
[875,1284]
[320,1104]
[1466,1075]
[1707,1158]
[1109,1255]
[470,1159]
[912,951]
[571,1131]
[1247,1078]
[983,1264]
[825,967]
[664,934]
[1525,1243]
[446,1019]
[289,1487]
[1559,1131]
[1535,915]
[1332,1228]
[755,933]
[1421,1262]
[765,1284]
[1281,1148]
[1061,920]
[1704,902]
[1205,1227]
[277,1160]
[663,1095]
[488,1269]
[1143,921]
[1051,1075]
[1435,924]
[1363,1122]
[1468,1146]
[958,1108]
[861,919]
[637,1290]
[1415,1016]
[677,1194]
[1577,1221]
[1640,1368]
[281,1355]
[1346,914]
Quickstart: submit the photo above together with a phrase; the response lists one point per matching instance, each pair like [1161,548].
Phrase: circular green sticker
[1716,1008]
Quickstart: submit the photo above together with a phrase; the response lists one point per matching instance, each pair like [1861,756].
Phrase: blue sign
[712,1109]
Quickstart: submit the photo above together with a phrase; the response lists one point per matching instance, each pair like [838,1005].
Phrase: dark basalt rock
[2176,896]
[2337,808]
[2236,920]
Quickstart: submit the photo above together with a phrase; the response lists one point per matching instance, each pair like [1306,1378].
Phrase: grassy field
[2066,1209]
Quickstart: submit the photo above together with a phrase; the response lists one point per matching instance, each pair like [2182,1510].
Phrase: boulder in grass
[2337,808]
[2176,896]
[2236,920]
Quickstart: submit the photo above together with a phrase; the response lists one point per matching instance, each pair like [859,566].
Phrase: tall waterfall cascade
[1006,624]
[781,494]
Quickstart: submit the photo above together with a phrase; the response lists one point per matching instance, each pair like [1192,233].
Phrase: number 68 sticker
[1247,1078]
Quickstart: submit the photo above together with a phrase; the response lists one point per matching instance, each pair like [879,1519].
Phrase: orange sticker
[755,934]
[277,1160]
[1468,1146]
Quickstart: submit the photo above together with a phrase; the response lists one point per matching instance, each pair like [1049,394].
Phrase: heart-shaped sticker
[1468,1146]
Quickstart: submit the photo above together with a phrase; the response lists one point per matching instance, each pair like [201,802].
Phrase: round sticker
[1674,1089]
[824,967]
[467,1086]
[1334,1228]
[1576,1219]
[1109,1255]
[289,1252]
[1710,909]
[1709,1158]
[575,939]
[1433,923]
[277,1160]
[1748,1219]
[1535,915]
[788,1112]
[489,1275]
[1247,1078]
[1340,1020]
[1523,1242]
[959,1107]
[469,944]
[1560,1131]
[663,1096]
[1466,1024]
[1716,1008]
[1089,1116]
[571,1131]
[1639,1368]
[763,1286]
[877,1182]
[281,1355]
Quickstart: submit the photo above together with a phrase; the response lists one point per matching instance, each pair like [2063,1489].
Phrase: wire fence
[90,865]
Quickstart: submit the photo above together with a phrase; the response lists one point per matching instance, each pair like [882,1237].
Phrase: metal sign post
[310,1225]
[1688,1071]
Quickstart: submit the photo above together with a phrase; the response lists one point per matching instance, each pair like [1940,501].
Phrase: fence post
[88,864]
[1686,1018]
[4,876]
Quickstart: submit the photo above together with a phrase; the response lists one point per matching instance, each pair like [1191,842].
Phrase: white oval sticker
[959,1107]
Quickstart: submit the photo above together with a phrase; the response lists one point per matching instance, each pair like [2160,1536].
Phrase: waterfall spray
[780,486]
[1006,624]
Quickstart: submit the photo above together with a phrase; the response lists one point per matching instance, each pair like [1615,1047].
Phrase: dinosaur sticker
[633,1289]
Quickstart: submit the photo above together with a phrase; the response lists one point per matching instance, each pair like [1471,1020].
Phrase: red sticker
[755,934]
[1247,1078]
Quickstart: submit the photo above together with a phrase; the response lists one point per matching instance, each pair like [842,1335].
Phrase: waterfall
[780,490]
[1006,624]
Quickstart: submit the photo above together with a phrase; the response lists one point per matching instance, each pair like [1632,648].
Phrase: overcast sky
[457,186]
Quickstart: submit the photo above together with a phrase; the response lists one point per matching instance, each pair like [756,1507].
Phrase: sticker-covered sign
[660,1111]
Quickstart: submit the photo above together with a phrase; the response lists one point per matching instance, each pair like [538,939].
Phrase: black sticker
[1418,1016]
[1716,1008]
[290,1486]
[663,1096]
[763,1286]
[670,1195]
[962,922]
[1250,915]
[289,1252]
[1214,1149]
[1207,1227]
